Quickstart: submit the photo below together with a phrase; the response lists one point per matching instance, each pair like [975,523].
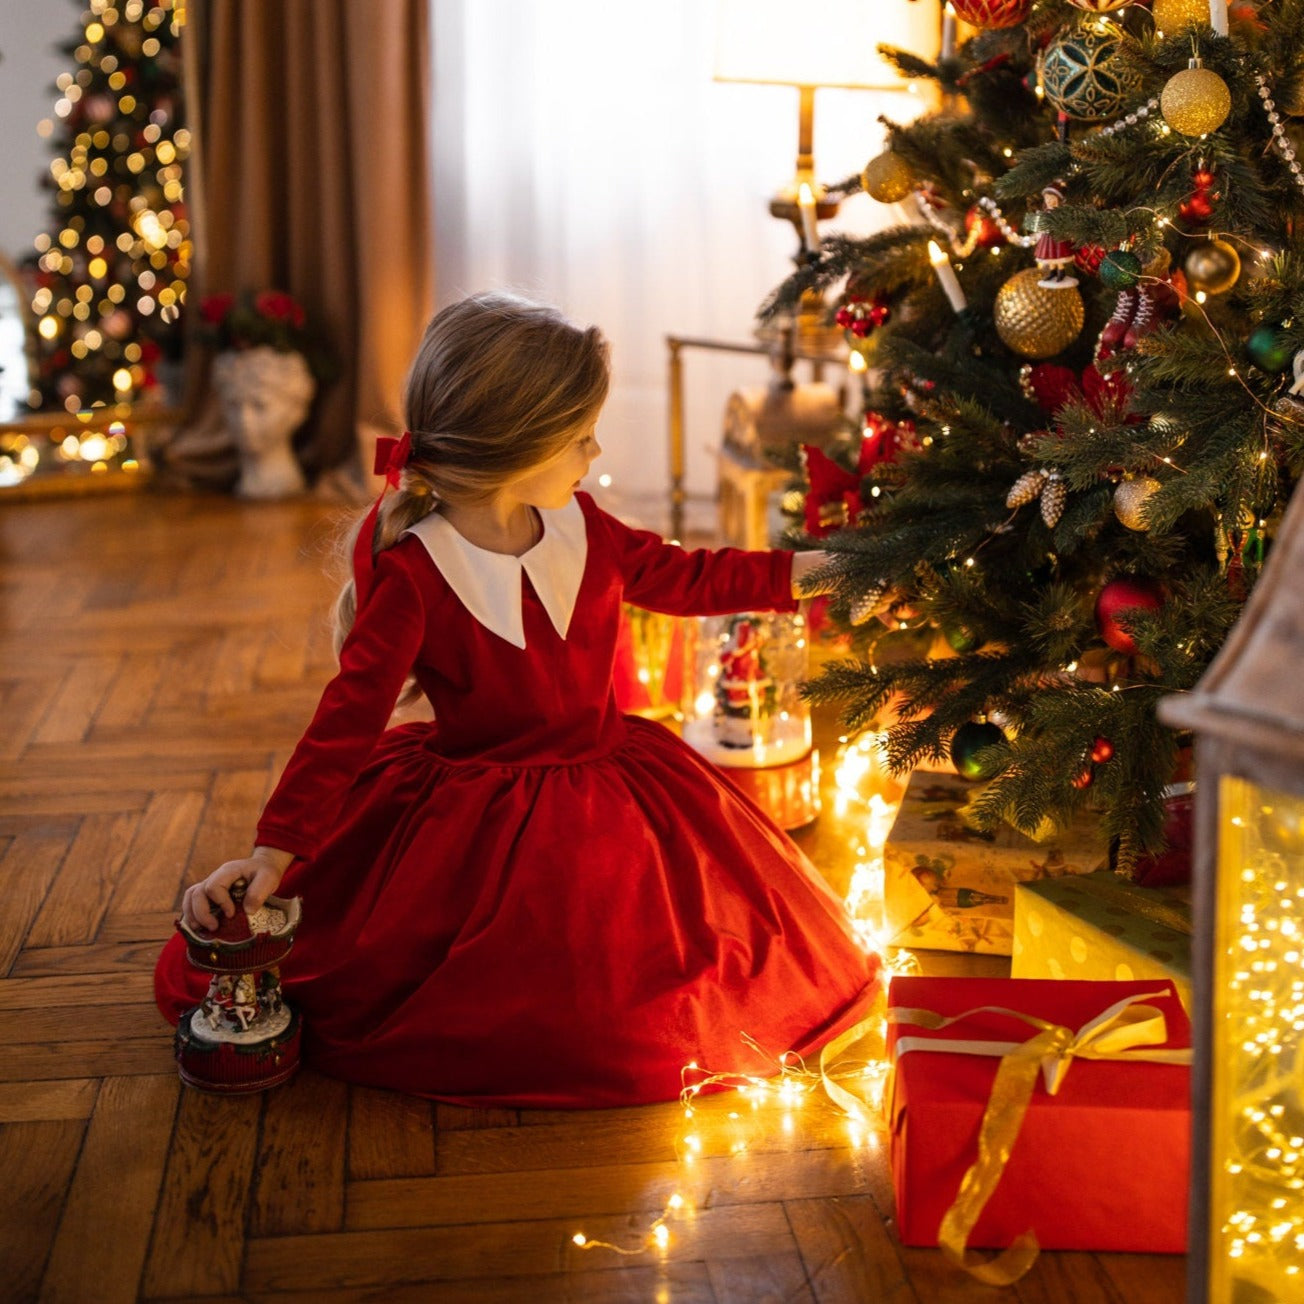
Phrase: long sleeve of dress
[354,709]
[701,581]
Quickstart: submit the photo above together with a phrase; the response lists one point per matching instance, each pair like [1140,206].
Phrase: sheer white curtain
[584,156]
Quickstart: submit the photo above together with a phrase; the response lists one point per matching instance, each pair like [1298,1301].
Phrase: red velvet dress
[537,901]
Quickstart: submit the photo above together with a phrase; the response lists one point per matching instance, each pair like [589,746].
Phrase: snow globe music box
[242,1037]
[746,713]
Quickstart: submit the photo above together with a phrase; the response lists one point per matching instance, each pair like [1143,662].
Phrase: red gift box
[1101,1165]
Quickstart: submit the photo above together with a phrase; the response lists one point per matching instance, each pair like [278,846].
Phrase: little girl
[534,900]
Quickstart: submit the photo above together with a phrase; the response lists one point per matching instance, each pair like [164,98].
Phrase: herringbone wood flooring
[158,659]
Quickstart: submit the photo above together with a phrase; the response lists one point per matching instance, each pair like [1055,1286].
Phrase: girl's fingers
[217,893]
[195,908]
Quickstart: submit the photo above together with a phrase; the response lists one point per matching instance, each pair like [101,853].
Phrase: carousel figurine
[242,1036]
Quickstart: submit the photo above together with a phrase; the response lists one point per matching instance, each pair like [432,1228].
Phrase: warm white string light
[867,796]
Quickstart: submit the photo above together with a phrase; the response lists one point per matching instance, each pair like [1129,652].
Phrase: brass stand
[817,357]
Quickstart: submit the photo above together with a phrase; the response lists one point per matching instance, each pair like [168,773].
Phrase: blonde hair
[498,386]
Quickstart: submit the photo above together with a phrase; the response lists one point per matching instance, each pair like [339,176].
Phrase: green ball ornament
[1120,269]
[962,640]
[1269,348]
[1083,75]
[967,741]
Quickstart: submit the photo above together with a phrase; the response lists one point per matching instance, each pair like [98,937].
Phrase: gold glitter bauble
[1195,102]
[1130,499]
[1036,322]
[1213,266]
[887,178]
[1171,16]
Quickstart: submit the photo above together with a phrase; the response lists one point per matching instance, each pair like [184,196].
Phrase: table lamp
[830,43]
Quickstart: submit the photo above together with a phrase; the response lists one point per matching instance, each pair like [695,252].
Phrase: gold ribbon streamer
[1126,1031]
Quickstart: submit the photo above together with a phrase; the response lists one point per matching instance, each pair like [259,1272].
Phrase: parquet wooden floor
[158,658]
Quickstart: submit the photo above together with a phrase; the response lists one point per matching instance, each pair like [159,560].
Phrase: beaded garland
[1279,137]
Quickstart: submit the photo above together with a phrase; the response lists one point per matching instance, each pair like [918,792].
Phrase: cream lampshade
[820,43]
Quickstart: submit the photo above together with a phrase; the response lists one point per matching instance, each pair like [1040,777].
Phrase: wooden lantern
[1247,712]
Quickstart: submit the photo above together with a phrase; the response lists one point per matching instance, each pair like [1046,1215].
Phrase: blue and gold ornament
[1083,74]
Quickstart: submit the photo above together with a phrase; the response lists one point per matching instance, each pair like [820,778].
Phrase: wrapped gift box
[649,670]
[950,887]
[1102,1165]
[1102,927]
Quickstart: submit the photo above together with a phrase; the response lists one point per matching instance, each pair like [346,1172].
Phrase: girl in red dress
[533,900]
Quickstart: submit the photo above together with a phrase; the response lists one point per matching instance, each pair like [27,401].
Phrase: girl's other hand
[202,902]
[803,563]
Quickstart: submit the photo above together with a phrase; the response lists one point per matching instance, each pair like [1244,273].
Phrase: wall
[30,31]
[585,156]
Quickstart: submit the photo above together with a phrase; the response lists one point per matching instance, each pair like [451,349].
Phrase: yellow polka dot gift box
[1102,927]
[950,887]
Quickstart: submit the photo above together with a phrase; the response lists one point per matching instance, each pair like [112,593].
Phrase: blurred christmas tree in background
[111,269]
[1084,343]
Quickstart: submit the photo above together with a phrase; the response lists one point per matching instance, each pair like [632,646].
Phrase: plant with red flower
[268,319]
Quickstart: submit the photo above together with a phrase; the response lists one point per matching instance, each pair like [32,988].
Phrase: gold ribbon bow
[1127,1031]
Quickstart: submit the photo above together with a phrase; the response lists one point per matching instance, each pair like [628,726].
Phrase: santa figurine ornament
[242,1037]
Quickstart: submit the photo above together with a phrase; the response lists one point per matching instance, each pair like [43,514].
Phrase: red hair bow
[392,456]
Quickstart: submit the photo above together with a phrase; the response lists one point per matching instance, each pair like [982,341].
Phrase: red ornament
[992,13]
[1085,779]
[860,315]
[982,228]
[1102,750]
[1050,386]
[1107,393]
[1196,209]
[1123,597]
[1087,258]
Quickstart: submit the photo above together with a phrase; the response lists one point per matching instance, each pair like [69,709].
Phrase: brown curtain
[310,175]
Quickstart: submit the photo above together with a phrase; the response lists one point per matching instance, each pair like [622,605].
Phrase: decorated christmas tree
[1084,335]
[111,269]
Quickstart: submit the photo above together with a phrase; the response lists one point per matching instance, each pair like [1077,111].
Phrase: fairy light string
[744,1103]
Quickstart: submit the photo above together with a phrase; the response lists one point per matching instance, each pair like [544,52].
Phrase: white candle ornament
[1218,16]
[948,31]
[946,276]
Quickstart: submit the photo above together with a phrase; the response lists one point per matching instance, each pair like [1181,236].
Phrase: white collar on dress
[489,583]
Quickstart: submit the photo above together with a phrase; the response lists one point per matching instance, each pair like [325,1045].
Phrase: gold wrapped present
[1102,927]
